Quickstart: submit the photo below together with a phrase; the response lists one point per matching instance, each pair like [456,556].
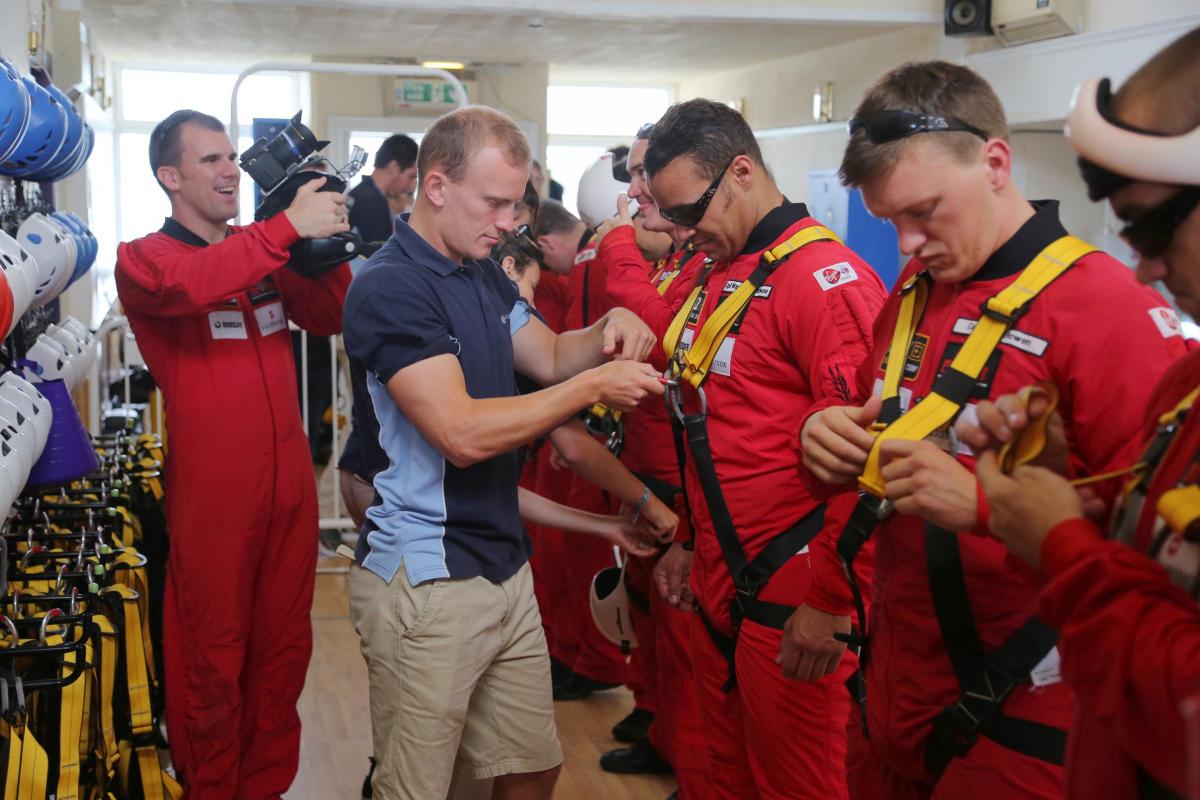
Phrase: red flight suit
[663,655]
[211,323]
[1129,628]
[799,342]
[1081,332]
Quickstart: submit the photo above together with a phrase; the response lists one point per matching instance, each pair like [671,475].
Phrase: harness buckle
[985,308]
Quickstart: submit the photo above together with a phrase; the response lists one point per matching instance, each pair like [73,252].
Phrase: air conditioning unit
[1023,21]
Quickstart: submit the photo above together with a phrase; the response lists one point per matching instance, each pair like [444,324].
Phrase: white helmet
[53,249]
[609,601]
[598,190]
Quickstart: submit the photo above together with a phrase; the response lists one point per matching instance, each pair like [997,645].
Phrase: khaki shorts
[453,664]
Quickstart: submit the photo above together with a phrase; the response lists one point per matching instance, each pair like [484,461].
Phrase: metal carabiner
[12,629]
[52,614]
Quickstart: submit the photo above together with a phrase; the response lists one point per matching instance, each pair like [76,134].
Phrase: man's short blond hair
[451,141]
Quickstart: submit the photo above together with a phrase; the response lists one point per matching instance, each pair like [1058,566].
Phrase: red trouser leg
[597,658]
[869,776]
[677,732]
[642,672]
[795,730]
[728,764]
[549,565]
[207,619]
[280,641]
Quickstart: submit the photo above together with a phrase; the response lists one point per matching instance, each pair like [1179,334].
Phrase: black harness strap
[749,576]
[986,680]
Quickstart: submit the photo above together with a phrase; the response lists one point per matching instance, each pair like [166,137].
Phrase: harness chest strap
[953,388]
[693,364]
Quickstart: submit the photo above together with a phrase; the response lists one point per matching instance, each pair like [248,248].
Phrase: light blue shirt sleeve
[519,317]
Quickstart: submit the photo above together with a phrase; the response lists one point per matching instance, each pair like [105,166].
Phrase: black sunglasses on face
[1151,233]
[882,127]
[689,215]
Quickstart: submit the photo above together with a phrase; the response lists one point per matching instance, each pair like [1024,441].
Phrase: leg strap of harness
[851,541]
[986,680]
[1151,789]
[749,575]
[726,646]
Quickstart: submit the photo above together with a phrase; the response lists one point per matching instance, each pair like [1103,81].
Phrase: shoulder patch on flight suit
[1167,321]
[835,275]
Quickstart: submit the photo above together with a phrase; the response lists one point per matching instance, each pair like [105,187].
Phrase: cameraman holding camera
[209,304]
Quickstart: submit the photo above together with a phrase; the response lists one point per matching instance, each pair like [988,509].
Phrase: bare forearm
[576,351]
[594,463]
[540,511]
[489,427]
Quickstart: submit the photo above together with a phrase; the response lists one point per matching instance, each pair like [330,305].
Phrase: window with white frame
[147,95]
[582,121]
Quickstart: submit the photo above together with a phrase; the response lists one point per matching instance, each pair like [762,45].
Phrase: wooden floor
[336,737]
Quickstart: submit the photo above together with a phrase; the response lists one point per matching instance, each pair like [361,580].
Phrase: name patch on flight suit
[762,293]
[268,309]
[722,363]
[227,325]
[1026,342]
[694,312]
[916,354]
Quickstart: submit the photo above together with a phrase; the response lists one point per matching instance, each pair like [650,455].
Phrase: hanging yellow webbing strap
[107,748]
[156,784]
[71,724]
[693,364]
[999,314]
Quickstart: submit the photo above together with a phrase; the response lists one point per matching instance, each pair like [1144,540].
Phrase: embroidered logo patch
[1166,321]
[835,275]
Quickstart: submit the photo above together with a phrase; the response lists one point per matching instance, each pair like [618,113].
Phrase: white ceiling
[659,39]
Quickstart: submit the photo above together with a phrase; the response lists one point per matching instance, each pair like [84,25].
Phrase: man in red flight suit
[798,341]
[209,304]
[1126,607]
[949,611]
[657,291]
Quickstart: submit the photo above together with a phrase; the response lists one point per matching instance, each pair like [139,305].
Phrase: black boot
[577,687]
[639,758]
[634,727]
[367,792]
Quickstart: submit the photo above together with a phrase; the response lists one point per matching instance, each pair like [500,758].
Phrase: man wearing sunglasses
[779,321]
[962,692]
[1126,607]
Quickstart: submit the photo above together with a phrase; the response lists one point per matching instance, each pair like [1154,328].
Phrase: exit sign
[413,92]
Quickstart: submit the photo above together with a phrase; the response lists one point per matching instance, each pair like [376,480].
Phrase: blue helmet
[71,146]
[45,137]
[15,105]
[87,142]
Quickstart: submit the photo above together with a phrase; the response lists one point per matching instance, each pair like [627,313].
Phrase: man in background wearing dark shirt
[395,174]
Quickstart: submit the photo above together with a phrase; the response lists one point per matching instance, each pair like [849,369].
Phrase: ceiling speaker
[968,17]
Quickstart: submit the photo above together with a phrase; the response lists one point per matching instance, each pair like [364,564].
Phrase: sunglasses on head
[1151,233]
[689,215]
[882,127]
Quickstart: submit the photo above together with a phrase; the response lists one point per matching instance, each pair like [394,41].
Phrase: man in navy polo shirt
[441,594]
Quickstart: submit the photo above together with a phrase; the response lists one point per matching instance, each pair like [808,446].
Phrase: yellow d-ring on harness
[693,364]
[1000,313]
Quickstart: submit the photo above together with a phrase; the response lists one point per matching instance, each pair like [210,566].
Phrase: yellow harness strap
[28,767]
[107,741]
[156,784]
[693,364]
[71,726]
[1000,313]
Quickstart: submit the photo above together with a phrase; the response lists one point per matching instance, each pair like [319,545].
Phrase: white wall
[14,31]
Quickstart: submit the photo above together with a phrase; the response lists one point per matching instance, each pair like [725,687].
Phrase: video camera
[284,163]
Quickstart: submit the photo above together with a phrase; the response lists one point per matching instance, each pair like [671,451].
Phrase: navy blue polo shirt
[410,303]
[370,214]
